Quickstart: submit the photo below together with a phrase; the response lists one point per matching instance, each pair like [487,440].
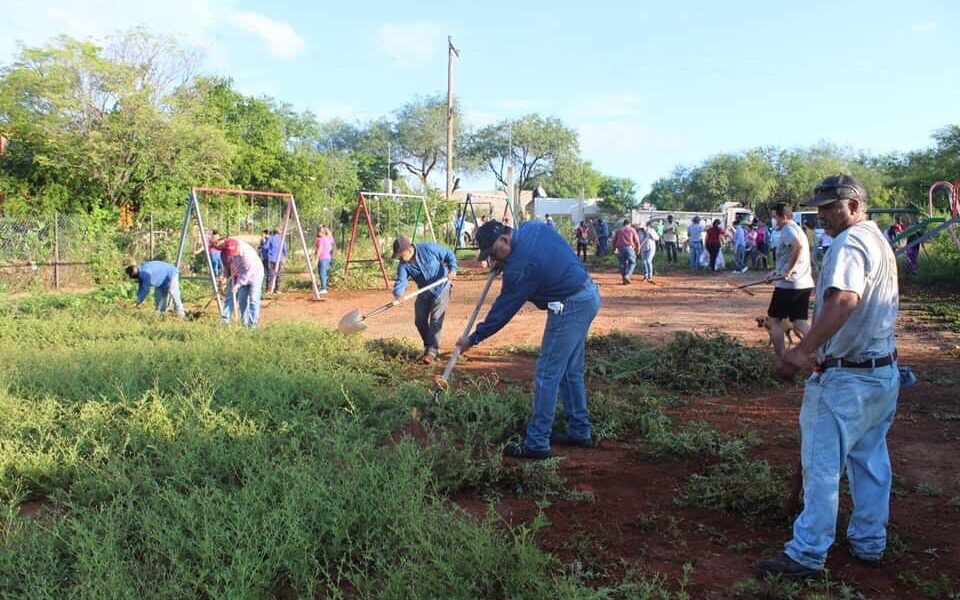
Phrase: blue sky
[647,85]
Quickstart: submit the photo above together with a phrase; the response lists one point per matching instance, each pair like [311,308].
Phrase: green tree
[420,131]
[618,195]
[532,144]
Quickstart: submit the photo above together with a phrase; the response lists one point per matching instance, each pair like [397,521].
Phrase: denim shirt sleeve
[450,258]
[401,283]
[143,290]
[517,289]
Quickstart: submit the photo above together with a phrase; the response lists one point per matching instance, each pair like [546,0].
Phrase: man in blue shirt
[539,266]
[603,234]
[164,277]
[275,252]
[425,263]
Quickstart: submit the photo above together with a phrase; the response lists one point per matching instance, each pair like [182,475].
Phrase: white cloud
[412,44]
[281,38]
[925,27]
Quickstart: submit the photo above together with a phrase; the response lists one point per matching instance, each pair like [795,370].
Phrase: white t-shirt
[860,260]
[792,236]
[670,231]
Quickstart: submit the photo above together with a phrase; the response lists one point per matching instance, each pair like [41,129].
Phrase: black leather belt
[873,363]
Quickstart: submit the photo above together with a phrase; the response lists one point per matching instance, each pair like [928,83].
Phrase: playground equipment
[933,226]
[464,229]
[193,211]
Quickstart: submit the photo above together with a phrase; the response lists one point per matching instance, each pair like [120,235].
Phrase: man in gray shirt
[850,399]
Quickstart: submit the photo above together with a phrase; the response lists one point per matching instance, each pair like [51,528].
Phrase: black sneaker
[564,439]
[518,451]
[870,562]
[785,566]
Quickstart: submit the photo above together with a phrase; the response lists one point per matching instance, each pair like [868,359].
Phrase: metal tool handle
[413,294]
[473,319]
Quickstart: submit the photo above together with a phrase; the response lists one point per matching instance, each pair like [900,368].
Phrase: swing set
[421,219]
[470,203]
[194,212]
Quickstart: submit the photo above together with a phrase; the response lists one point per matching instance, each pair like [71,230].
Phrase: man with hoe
[245,269]
[164,278]
[793,274]
[539,266]
[425,263]
[850,399]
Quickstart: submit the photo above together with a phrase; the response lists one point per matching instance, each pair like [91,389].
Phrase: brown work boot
[427,358]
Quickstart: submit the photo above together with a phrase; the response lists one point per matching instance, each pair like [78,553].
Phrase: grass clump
[713,363]
[751,488]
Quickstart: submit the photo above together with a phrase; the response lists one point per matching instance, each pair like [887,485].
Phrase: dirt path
[632,521]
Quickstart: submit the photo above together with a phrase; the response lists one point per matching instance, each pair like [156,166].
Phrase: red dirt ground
[631,521]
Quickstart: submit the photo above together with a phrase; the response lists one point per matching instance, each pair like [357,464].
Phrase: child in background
[326,246]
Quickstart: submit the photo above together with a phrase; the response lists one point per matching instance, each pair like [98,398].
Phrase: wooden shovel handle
[466,331]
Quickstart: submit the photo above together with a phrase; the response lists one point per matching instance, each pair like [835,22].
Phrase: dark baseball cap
[399,245]
[836,187]
[486,235]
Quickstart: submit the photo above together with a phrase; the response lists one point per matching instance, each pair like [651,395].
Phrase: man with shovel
[425,263]
[539,266]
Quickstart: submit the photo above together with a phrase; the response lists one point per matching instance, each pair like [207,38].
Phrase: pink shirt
[246,267]
[325,246]
[626,236]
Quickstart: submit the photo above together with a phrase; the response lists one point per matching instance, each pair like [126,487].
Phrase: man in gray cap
[425,263]
[850,398]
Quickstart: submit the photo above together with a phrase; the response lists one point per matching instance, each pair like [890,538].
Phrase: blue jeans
[601,245]
[647,257]
[323,269]
[560,370]
[695,249]
[844,420]
[428,314]
[739,261]
[273,276]
[248,301]
[165,294]
[217,261]
[627,258]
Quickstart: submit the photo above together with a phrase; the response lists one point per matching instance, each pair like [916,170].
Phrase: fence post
[56,250]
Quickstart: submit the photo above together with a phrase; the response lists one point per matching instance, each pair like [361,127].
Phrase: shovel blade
[351,323]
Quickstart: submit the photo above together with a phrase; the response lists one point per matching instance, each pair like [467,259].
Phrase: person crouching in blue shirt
[164,278]
[540,267]
[425,263]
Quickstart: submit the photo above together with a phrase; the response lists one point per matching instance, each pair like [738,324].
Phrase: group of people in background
[242,270]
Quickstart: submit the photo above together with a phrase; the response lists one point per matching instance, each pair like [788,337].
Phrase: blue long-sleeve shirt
[433,262]
[154,273]
[541,268]
[603,230]
[274,248]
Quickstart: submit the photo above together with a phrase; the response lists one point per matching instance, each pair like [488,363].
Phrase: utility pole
[451,53]
[389,179]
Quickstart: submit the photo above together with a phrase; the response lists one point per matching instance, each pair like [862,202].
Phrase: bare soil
[630,520]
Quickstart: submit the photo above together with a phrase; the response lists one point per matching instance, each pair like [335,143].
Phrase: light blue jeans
[560,370]
[646,257]
[248,300]
[323,269]
[627,256]
[739,257]
[165,295]
[695,249]
[844,420]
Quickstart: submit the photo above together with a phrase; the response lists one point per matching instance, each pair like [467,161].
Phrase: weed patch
[751,488]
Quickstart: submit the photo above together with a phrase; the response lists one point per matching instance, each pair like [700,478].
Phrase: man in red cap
[243,265]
